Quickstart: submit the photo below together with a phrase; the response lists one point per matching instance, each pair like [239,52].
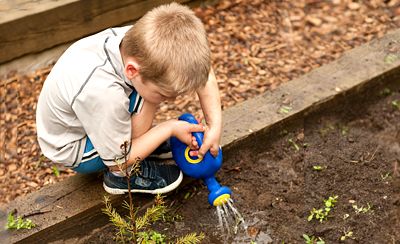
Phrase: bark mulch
[256,45]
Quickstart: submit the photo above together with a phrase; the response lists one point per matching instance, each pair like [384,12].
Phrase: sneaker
[152,178]
[163,151]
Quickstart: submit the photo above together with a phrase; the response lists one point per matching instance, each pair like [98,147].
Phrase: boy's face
[151,92]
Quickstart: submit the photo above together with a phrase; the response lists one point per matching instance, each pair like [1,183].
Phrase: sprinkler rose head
[219,197]
[200,168]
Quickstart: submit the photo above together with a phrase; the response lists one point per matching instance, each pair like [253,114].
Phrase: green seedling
[385,92]
[151,237]
[323,213]
[324,131]
[55,170]
[283,132]
[396,104]
[362,209]
[313,239]
[294,144]
[18,223]
[385,176]
[285,109]
[344,130]
[347,234]
[317,167]
[187,195]
[390,58]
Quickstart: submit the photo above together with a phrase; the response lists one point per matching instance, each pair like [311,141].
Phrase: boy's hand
[183,131]
[210,142]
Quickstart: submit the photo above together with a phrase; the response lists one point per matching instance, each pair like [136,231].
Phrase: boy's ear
[131,69]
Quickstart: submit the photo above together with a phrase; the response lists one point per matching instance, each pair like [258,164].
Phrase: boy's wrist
[169,126]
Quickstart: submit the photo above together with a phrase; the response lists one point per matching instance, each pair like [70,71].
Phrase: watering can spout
[198,168]
[219,195]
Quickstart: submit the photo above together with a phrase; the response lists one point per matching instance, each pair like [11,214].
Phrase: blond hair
[170,45]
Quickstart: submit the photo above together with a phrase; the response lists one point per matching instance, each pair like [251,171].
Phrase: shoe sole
[168,188]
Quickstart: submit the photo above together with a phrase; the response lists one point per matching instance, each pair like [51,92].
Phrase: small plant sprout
[137,229]
[362,209]
[317,167]
[151,237]
[285,109]
[313,239]
[385,92]
[345,216]
[325,130]
[55,170]
[296,147]
[385,176]
[347,234]
[322,213]
[396,104]
[390,58]
[344,130]
[330,202]
[18,223]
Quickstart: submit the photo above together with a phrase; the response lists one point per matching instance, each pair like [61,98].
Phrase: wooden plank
[30,28]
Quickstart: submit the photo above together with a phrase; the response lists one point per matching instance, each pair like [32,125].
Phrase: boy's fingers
[196,128]
[203,150]
[194,153]
[214,150]
[194,144]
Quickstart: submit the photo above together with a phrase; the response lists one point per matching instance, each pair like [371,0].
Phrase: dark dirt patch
[358,146]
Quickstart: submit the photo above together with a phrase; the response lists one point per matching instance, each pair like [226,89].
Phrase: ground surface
[256,45]
[357,146]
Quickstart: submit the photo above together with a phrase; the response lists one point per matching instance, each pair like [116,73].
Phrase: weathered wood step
[33,26]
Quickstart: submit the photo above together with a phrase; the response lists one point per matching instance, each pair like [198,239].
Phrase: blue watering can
[200,168]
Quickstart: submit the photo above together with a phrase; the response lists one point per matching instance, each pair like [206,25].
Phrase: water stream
[233,227]
[230,220]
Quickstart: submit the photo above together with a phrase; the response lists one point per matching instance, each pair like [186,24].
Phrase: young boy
[105,89]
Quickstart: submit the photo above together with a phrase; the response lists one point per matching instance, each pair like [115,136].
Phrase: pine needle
[191,238]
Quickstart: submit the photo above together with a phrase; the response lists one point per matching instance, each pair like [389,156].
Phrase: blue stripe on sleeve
[132,101]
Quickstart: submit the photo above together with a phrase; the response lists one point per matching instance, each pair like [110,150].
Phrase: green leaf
[306,237]
[396,104]
[18,223]
[296,147]
[317,167]
[285,109]
[390,58]
[56,172]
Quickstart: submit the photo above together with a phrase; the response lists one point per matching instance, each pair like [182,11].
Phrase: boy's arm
[142,121]
[211,105]
[145,144]
[146,139]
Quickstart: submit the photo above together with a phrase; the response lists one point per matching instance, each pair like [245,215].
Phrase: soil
[255,45]
[357,145]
